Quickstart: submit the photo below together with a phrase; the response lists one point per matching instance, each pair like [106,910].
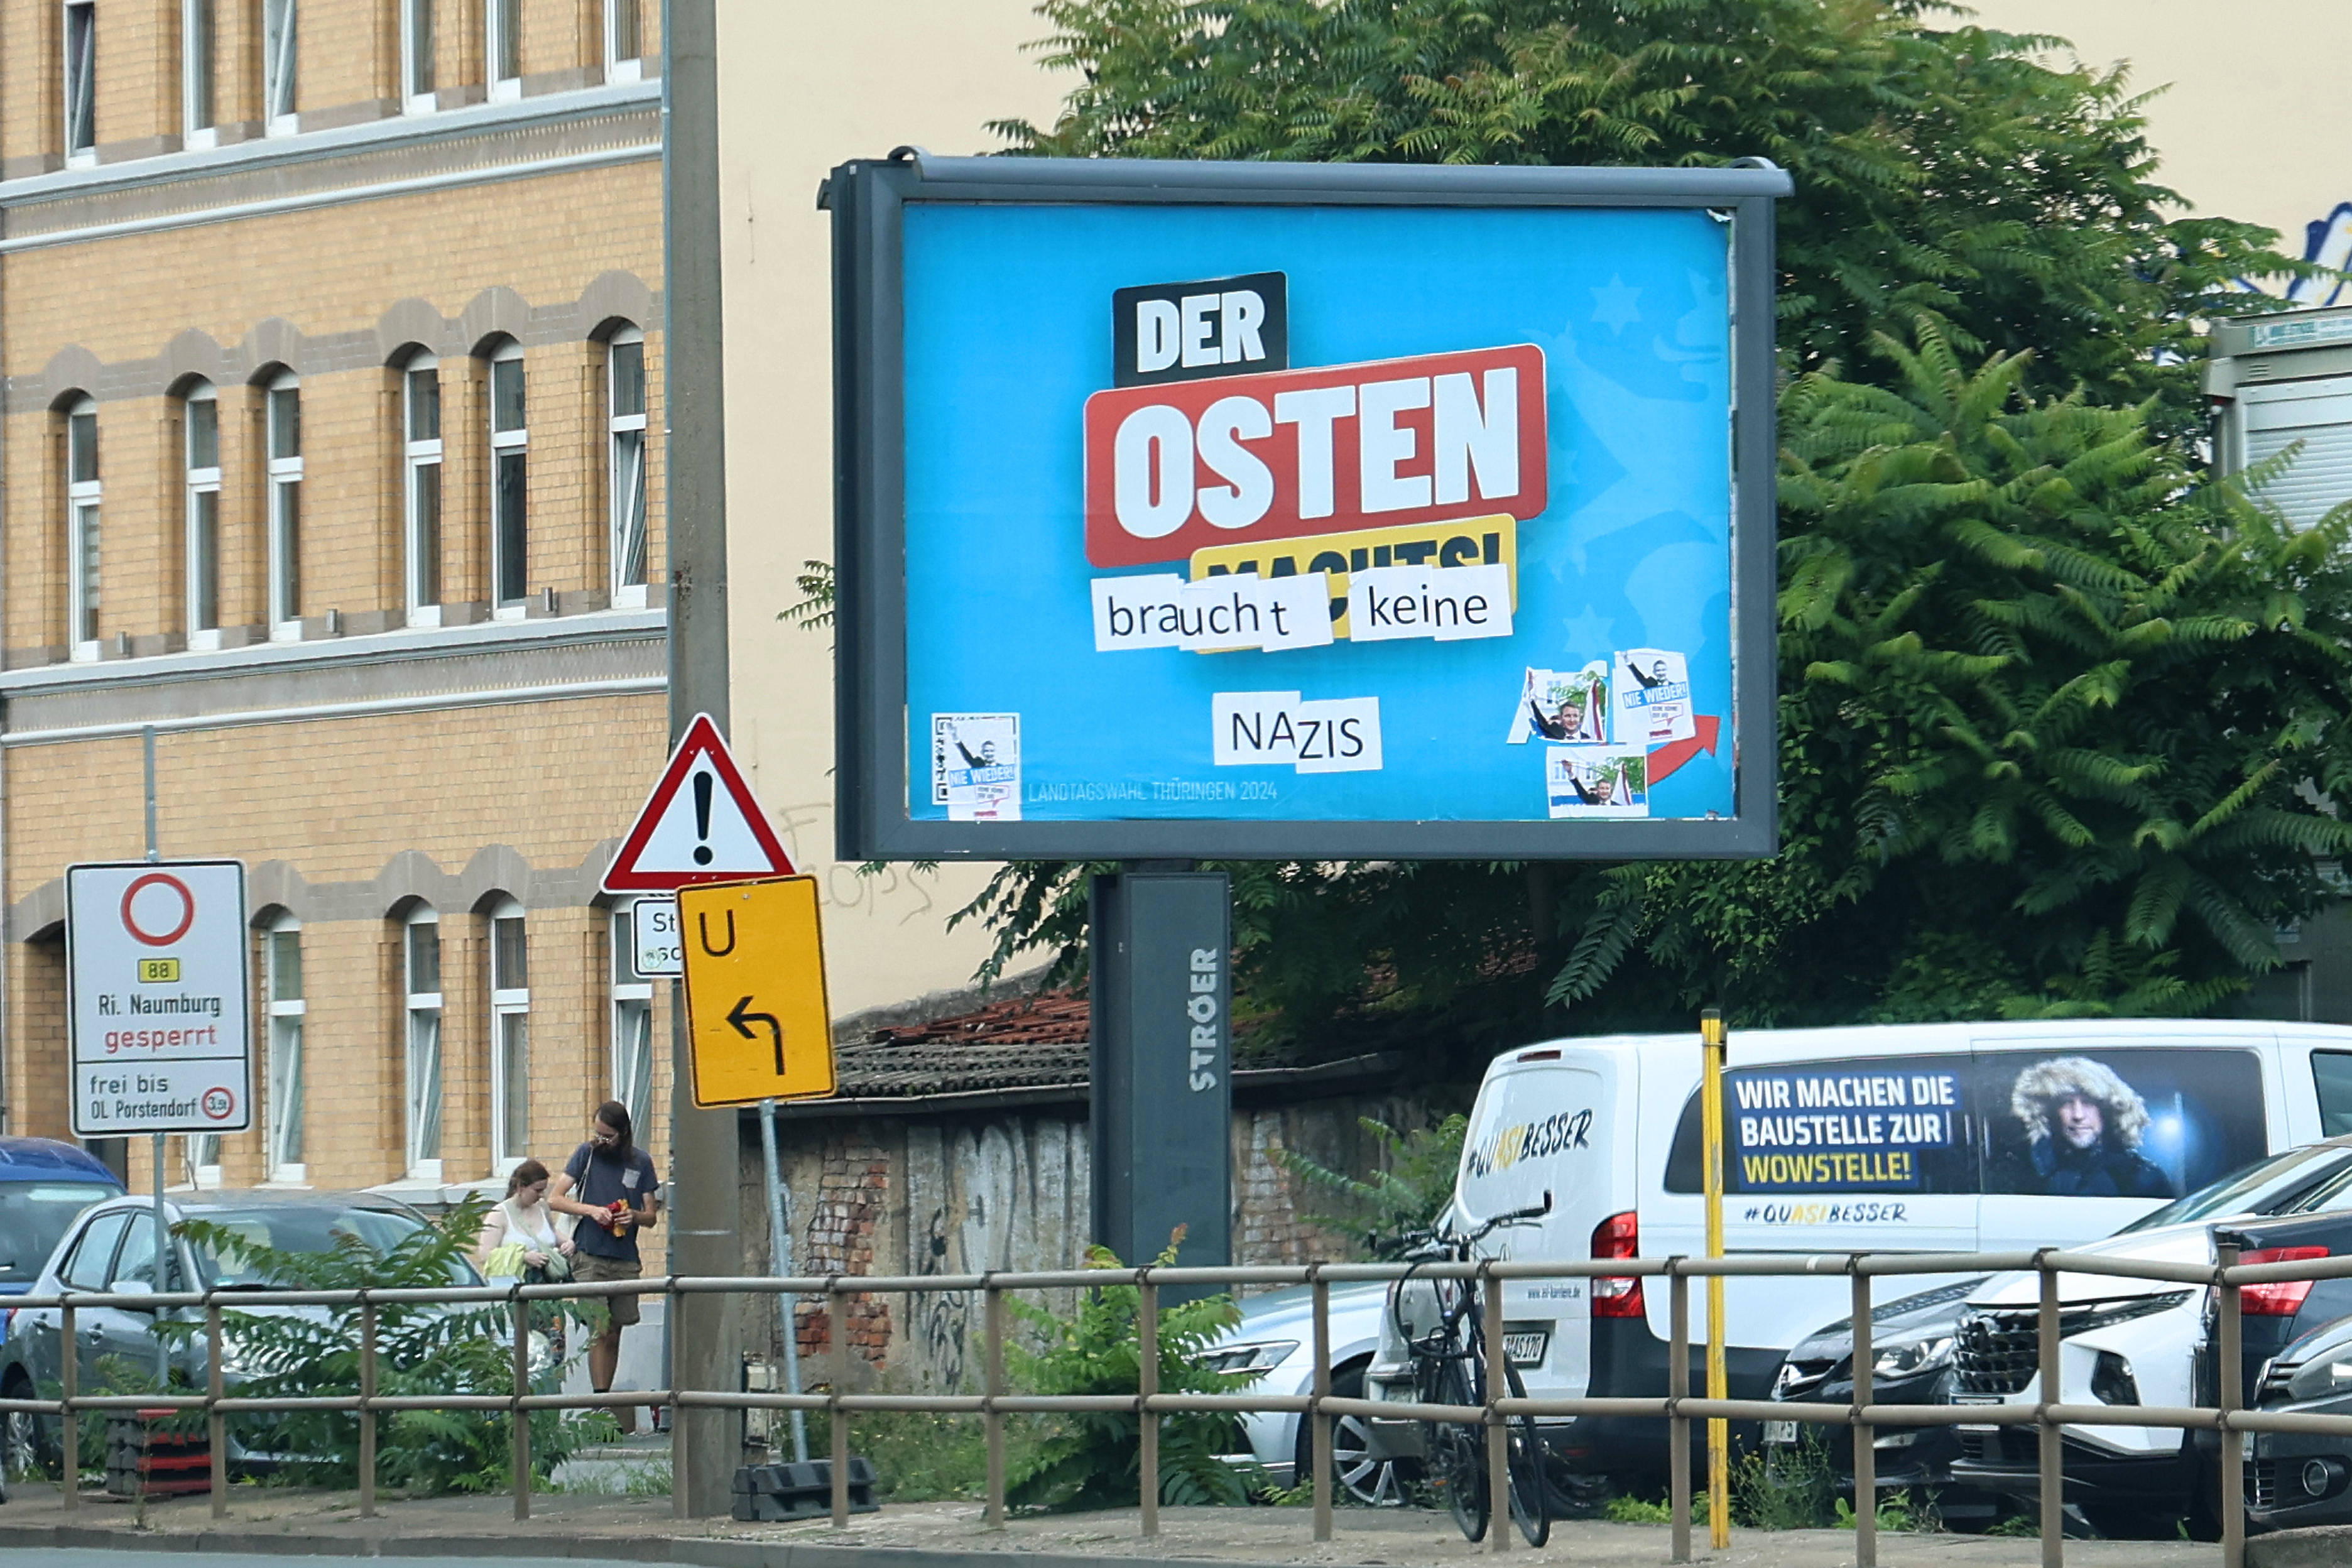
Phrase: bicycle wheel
[1456,1454]
[1530,1496]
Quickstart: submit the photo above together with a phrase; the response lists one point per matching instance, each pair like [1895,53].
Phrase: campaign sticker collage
[1600,722]
[976,766]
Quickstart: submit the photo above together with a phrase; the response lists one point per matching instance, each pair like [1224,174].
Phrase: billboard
[1249,510]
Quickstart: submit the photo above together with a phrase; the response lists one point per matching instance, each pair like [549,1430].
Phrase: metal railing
[1677,1407]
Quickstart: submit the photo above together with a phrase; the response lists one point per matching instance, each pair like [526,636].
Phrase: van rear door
[1544,1126]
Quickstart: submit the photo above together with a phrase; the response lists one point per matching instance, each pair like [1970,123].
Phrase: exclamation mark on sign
[702,818]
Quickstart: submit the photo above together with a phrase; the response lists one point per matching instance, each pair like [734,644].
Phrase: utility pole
[703,1238]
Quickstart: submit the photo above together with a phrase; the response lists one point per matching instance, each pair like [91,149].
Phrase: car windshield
[2282,1184]
[292,1228]
[33,1217]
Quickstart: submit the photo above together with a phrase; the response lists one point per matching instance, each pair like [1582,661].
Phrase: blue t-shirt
[599,1179]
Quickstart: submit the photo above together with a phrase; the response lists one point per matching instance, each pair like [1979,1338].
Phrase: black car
[1911,1364]
[2304,1478]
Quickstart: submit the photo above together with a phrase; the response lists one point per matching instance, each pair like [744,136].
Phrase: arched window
[421,980]
[283,420]
[509,483]
[624,47]
[282,983]
[279,55]
[633,1012]
[81,527]
[416,76]
[200,512]
[420,416]
[502,48]
[624,422]
[510,1037]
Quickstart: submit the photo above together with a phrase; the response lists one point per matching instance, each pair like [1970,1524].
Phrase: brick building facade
[331,336]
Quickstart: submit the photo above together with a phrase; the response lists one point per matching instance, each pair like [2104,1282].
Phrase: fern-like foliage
[1095,1459]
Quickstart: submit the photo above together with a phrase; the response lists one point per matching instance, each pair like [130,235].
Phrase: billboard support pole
[1160,1098]
[1718,1431]
[703,1144]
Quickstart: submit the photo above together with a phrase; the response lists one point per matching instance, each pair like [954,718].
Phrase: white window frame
[285,1015]
[85,534]
[282,508]
[200,513]
[281,62]
[502,36]
[199,75]
[80,68]
[509,445]
[632,1021]
[417,72]
[421,552]
[203,1156]
[619,67]
[422,1039]
[510,1045]
[626,439]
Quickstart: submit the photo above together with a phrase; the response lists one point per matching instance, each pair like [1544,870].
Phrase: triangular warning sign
[699,824]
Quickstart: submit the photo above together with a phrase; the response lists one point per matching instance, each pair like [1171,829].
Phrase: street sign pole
[163,1231]
[703,1144]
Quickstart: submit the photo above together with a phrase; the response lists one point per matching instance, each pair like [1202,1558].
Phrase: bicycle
[1450,1368]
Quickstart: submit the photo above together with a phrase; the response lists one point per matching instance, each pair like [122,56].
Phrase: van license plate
[1526,1349]
[1780,1434]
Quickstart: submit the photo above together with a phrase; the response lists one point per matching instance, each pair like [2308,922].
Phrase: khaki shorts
[590,1269]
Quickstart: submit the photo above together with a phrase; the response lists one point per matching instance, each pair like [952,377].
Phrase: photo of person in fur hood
[2083,1126]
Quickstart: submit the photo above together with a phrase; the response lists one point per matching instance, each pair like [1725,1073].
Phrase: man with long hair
[609,1184]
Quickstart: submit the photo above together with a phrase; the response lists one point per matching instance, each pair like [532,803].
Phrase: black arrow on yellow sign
[743,1021]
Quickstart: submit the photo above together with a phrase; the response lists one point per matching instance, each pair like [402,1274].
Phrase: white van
[1917,1137]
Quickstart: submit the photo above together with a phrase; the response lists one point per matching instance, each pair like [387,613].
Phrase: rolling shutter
[2319,415]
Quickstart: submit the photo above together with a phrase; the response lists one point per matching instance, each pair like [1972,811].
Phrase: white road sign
[654,923]
[160,1016]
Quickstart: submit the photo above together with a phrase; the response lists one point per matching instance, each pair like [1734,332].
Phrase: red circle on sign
[220,1104]
[187,908]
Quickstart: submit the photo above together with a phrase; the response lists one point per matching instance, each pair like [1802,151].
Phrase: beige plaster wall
[800,92]
[2251,123]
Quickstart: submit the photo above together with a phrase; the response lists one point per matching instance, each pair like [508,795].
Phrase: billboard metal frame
[867,200]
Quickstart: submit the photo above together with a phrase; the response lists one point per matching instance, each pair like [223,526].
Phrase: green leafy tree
[1409,1186]
[1095,1459]
[420,1349]
[2044,743]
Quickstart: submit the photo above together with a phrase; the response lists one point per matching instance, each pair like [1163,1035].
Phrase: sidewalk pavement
[264,1520]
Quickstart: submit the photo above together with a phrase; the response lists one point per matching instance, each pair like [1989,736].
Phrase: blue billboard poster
[1304,512]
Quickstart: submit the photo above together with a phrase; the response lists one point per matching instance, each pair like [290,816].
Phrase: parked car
[2143,1341]
[2303,1478]
[1914,1337]
[1275,1338]
[111,1248]
[1929,1137]
[44,1185]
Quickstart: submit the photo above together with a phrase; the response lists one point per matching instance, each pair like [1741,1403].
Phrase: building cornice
[398,155]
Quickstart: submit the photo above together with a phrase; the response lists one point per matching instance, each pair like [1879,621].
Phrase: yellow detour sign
[755,1004]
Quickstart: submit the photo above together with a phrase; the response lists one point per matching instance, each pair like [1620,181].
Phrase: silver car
[1275,1338]
[111,1249]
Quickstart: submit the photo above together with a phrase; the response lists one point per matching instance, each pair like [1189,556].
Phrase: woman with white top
[525,1219]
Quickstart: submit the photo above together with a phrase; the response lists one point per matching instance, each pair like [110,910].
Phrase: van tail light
[2279,1298]
[1619,1236]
